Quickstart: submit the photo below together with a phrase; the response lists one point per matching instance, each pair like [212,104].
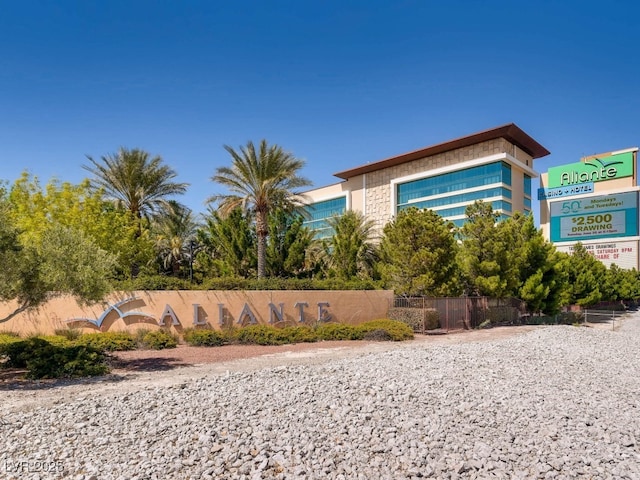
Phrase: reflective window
[492,173]
[527,185]
[319,212]
[459,198]
[527,203]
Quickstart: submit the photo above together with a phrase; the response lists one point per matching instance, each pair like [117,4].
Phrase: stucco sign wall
[177,310]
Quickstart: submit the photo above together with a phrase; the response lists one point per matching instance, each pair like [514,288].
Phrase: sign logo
[595,170]
[113,308]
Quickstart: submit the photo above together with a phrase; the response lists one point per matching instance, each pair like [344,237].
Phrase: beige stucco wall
[351,307]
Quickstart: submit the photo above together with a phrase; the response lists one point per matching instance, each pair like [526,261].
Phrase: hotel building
[494,166]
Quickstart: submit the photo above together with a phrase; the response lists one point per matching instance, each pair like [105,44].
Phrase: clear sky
[338,83]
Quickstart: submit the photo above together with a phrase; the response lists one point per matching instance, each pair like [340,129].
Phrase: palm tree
[137,182]
[260,182]
[350,251]
[175,234]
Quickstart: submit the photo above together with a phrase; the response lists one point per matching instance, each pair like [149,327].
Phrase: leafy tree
[62,260]
[418,254]
[35,209]
[228,244]
[174,232]
[260,181]
[287,244]
[350,251]
[137,182]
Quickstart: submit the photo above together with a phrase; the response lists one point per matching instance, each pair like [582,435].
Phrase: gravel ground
[556,402]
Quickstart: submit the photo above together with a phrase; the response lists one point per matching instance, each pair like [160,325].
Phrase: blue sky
[337,83]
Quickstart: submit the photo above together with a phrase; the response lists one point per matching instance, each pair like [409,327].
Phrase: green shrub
[378,335]
[43,359]
[338,331]
[68,333]
[8,338]
[159,340]
[413,317]
[299,334]
[203,337]
[270,335]
[109,341]
[431,319]
[260,335]
[139,335]
[58,340]
[398,331]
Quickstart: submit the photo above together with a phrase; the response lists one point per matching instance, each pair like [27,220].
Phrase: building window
[461,210]
[502,205]
[527,203]
[318,213]
[527,185]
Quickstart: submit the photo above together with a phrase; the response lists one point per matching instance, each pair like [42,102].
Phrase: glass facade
[318,213]
[482,175]
[469,183]
[457,211]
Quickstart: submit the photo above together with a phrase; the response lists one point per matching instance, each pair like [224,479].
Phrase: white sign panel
[591,225]
[623,254]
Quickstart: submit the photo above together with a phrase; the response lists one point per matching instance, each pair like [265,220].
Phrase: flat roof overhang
[510,132]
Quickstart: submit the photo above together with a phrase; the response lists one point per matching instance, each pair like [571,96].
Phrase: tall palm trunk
[262,230]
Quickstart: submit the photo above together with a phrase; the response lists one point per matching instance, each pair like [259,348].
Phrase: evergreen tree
[350,251]
[418,254]
[287,243]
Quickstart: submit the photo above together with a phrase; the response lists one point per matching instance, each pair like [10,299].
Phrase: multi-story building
[494,166]
[594,202]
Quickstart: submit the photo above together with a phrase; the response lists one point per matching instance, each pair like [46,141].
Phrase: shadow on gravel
[149,364]
[14,378]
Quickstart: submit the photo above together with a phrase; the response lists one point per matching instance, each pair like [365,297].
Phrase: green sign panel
[595,170]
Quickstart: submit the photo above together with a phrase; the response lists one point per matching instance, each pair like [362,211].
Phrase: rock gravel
[559,402]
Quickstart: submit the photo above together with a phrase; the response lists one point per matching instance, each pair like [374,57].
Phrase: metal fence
[459,313]
[602,316]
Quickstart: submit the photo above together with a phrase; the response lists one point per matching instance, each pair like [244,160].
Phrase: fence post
[613,320]
[586,312]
